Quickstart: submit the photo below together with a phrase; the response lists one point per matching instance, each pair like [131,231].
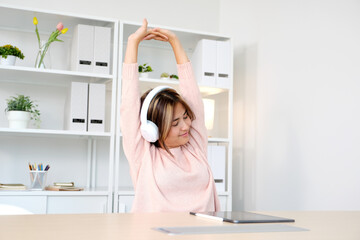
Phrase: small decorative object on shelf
[9,54]
[144,70]
[20,110]
[44,46]
[164,76]
[173,76]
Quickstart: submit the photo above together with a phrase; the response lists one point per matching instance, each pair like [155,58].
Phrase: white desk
[322,225]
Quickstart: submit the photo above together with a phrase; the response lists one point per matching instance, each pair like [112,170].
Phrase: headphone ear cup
[149,131]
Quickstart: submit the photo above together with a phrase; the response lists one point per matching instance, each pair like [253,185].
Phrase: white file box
[82,52]
[96,116]
[211,62]
[223,64]
[77,105]
[204,62]
[217,162]
[102,41]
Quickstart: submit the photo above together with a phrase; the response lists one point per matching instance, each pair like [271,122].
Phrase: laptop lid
[243,217]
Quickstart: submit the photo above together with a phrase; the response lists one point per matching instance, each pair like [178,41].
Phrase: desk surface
[322,225]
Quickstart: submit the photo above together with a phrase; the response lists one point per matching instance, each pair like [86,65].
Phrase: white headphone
[148,129]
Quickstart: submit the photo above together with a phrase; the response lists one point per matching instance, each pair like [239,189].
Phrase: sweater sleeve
[133,143]
[190,91]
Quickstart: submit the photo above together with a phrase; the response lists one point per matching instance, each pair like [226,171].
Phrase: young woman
[171,173]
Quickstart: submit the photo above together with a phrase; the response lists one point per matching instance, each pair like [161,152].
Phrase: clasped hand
[145,33]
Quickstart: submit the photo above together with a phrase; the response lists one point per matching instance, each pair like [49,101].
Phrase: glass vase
[43,59]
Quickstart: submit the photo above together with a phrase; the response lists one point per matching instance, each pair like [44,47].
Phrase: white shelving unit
[94,161]
[86,158]
[160,56]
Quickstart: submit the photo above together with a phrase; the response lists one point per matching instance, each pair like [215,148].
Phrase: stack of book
[12,186]
[63,186]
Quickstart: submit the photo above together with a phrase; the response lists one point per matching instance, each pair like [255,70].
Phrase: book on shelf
[12,186]
[63,188]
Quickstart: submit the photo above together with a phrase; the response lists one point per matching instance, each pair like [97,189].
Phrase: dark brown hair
[161,110]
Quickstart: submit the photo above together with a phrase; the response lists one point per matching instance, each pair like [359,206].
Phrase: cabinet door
[77,204]
[125,203]
[223,203]
[33,204]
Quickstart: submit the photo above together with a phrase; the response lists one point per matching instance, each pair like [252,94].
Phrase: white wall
[297,101]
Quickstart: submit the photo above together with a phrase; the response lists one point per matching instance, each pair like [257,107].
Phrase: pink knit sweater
[182,182]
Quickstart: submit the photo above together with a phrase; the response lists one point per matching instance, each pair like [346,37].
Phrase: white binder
[102,41]
[76,117]
[217,162]
[211,63]
[204,62]
[96,116]
[223,55]
[82,51]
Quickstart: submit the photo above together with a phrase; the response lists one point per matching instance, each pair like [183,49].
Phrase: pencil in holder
[37,179]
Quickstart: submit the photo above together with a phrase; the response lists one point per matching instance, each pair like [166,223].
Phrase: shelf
[53,133]
[48,76]
[126,191]
[147,83]
[218,140]
[87,192]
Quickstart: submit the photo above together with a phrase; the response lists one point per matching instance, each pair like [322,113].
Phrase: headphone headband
[147,101]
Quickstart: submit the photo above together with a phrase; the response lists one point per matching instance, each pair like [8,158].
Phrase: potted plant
[173,76]
[164,76]
[9,54]
[144,70]
[20,110]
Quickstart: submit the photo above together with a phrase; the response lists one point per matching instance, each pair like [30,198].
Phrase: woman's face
[180,127]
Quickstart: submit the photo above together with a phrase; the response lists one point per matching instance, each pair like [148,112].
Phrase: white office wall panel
[82,58]
[96,116]
[102,42]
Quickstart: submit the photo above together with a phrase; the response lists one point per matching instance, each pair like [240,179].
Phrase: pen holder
[37,180]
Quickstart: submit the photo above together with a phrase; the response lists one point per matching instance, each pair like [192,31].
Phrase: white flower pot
[9,61]
[144,75]
[18,119]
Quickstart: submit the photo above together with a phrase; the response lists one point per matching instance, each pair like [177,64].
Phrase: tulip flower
[43,48]
[60,26]
[64,30]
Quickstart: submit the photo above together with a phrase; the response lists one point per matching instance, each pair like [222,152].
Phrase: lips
[185,134]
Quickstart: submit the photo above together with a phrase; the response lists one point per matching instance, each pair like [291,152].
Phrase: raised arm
[170,37]
[188,86]
[133,143]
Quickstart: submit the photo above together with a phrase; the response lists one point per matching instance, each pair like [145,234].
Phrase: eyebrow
[179,118]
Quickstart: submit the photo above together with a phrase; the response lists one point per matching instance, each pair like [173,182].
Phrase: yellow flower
[35,21]
[64,30]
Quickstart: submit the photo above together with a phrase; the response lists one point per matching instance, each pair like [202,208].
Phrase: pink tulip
[60,26]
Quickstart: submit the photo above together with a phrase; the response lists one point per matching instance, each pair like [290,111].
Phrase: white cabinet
[33,204]
[77,204]
[83,157]
[125,203]
[216,67]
